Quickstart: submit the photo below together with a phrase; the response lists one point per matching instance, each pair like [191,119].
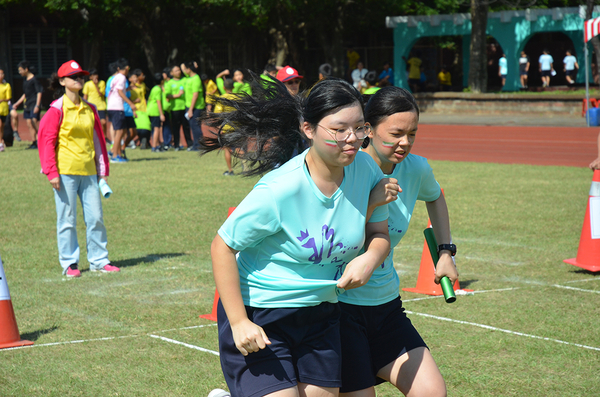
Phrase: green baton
[447,288]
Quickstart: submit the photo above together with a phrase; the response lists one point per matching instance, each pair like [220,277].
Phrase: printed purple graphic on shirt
[327,246]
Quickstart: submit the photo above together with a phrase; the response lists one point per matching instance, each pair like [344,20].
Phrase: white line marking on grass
[185,344]
[72,342]
[463,294]
[582,281]
[101,339]
[503,330]
[576,289]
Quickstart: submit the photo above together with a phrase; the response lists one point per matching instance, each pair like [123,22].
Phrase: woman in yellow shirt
[75,161]
[5,96]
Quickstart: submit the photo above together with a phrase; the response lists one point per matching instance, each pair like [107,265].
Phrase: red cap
[287,73]
[70,68]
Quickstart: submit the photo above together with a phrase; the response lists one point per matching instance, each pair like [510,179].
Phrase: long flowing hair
[264,129]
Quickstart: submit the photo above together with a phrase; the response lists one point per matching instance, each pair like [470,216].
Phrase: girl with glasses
[295,243]
[74,158]
[379,343]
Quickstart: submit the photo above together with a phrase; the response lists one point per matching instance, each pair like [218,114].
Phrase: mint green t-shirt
[173,87]
[418,183]
[155,95]
[293,240]
[192,85]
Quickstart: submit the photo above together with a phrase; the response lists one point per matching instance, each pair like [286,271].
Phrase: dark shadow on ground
[152,159]
[35,335]
[586,272]
[465,283]
[145,259]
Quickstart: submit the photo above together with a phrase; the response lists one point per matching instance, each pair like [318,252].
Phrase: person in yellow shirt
[75,161]
[444,79]
[219,108]
[414,73]
[93,92]
[5,96]
[210,89]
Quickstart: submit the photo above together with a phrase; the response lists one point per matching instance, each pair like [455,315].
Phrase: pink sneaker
[1,147]
[72,271]
[107,269]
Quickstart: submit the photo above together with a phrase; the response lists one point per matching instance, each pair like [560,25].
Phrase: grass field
[532,328]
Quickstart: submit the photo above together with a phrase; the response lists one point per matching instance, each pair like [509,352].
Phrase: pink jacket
[48,138]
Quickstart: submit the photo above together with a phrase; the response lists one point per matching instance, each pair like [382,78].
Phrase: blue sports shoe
[118,159]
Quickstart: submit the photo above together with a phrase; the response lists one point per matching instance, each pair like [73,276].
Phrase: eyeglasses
[342,134]
[292,82]
[76,77]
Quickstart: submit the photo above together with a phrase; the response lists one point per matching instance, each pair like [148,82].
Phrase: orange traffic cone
[9,332]
[212,316]
[425,281]
[588,254]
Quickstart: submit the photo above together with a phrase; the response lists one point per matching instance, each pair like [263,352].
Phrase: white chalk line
[185,344]
[489,327]
[103,339]
[576,289]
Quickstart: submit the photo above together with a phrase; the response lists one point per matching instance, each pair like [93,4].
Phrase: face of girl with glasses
[293,85]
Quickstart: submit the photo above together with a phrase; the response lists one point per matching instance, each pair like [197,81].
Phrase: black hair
[24,65]
[54,85]
[93,72]
[269,67]
[264,129]
[167,71]
[228,83]
[137,72]
[121,64]
[371,77]
[158,77]
[191,65]
[203,76]
[326,70]
[112,68]
[385,102]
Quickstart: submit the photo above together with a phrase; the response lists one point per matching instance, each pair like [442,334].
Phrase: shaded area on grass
[146,259]
[35,335]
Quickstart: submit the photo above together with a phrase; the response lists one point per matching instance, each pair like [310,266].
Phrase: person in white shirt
[571,67]
[546,67]
[358,76]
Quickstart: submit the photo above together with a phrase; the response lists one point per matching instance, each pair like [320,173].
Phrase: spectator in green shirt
[175,90]
[194,102]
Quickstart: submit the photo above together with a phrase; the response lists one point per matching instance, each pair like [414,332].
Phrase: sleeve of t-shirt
[430,189]
[101,86]
[38,86]
[8,91]
[380,213]
[195,85]
[118,83]
[86,89]
[255,218]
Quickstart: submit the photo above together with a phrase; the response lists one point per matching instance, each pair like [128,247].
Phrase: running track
[563,146]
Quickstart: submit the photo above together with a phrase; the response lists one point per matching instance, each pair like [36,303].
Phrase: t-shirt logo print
[327,239]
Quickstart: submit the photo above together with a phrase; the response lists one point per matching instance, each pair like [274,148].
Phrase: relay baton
[447,288]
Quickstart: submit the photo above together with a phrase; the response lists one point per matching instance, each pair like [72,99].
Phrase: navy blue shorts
[117,118]
[155,122]
[546,73]
[570,73]
[28,114]
[373,337]
[305,347]
[102,114]
[129,122]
